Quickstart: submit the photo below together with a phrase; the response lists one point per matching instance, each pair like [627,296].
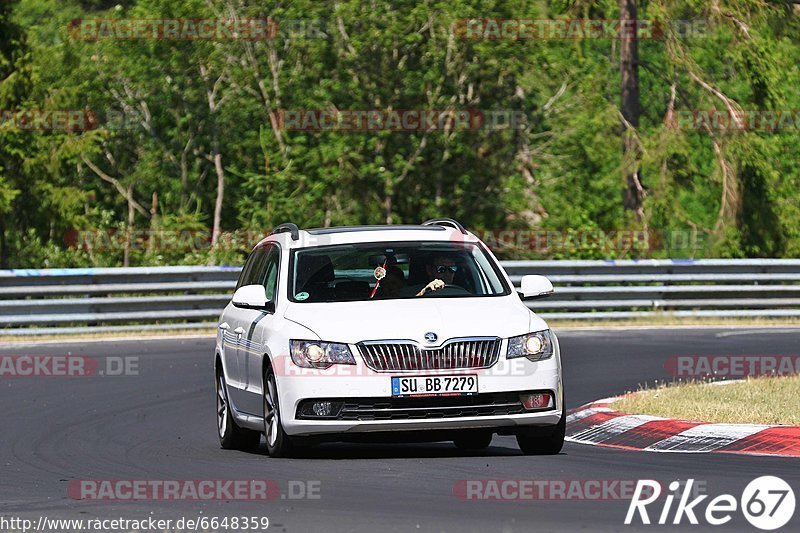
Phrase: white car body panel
[351,322]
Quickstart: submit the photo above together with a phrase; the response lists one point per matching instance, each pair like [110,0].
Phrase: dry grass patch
[763,400]
[669,320]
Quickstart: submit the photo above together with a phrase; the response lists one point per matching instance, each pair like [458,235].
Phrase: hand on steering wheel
[434,285]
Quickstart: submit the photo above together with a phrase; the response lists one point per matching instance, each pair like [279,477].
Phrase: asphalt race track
[160,425]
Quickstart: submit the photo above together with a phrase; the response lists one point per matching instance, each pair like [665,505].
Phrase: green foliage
[166,109]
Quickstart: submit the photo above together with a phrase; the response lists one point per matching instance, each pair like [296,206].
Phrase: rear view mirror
[533,287]
[394,259]
[376,260]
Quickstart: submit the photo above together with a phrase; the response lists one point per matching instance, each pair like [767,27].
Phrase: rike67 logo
[767,503]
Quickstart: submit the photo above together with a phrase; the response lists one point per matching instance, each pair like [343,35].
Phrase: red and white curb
[598,424]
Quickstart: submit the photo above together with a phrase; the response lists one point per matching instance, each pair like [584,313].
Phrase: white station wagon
[385,332]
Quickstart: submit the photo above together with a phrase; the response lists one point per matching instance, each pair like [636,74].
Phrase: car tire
[546,440]
[231,436]
[476,440]
[279,444]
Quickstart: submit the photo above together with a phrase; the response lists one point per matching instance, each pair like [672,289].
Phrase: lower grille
[393,356]
[485,404]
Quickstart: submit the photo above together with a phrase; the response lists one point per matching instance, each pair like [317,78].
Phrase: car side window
[252,268]
[270,280]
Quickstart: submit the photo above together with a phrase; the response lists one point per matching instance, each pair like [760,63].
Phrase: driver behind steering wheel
[441,271]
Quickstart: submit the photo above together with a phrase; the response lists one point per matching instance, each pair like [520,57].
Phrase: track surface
[160,425]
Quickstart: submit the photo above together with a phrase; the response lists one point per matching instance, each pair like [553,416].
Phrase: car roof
[365,234]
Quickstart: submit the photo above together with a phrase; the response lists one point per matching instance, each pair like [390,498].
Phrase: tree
[14,87]
[630,110]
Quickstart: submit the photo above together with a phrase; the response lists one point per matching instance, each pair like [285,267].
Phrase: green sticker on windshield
[301,296]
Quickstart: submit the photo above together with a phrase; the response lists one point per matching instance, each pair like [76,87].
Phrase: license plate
[434,385]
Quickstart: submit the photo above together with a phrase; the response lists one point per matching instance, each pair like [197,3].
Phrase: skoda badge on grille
[431,337]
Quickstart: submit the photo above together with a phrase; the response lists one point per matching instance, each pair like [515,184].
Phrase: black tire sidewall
[283,442]
[234,438]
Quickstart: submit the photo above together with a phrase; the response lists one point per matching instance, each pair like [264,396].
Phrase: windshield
[381,271]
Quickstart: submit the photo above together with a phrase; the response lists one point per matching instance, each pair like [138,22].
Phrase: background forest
[187,134]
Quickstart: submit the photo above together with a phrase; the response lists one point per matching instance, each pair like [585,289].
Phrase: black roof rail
[445,222]
[295,231]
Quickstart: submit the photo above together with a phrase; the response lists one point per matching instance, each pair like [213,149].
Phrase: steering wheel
[448,289]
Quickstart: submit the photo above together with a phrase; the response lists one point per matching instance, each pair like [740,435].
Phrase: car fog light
[319,409]
[323,408]
[539,400]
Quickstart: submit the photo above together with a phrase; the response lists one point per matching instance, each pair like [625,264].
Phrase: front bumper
[370,407]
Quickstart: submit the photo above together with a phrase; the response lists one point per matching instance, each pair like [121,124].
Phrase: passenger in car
[393,282]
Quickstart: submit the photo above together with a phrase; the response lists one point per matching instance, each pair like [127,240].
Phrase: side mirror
[251,297]
[533,287]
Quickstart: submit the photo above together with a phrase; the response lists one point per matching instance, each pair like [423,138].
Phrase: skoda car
[405,332]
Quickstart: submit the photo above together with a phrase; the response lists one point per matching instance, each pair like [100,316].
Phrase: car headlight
[317,354]
[535,346]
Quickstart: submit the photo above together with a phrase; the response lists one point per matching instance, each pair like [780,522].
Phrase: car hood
[352,322]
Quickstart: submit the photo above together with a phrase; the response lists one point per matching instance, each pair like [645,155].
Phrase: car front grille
[393,356]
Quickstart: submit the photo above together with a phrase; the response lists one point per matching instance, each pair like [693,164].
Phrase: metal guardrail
[149,298]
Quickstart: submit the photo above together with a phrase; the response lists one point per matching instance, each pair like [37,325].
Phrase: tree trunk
[220,189]
[126,259]
[213,106]
[387,208]
[151,241]
[3,246]
[184,181]
[630,110]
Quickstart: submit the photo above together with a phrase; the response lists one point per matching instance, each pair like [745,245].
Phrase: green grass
[763,400]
